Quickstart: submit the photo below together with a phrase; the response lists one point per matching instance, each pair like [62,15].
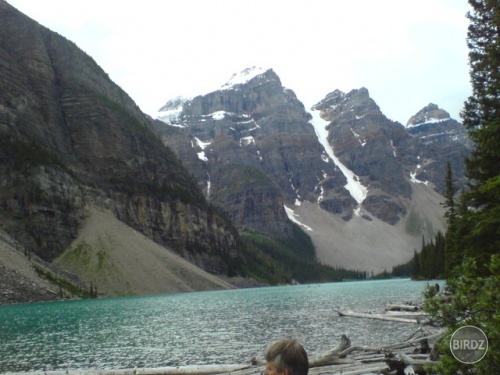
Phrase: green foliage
[24,155]
[481,116]
[259,264]
[285,260]
[141,126]
[80,254]
[474,301]
[168,189]
[430,262]
[413,225]
[473,259]
[427,264]
[481,113]
[66,287]
[449,195]
[404,270]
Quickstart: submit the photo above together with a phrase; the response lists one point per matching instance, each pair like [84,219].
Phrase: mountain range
[363,187]
[95,191]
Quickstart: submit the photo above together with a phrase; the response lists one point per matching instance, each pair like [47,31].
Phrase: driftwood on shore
[413,354]
[401,308]
[344,359]
[379,317]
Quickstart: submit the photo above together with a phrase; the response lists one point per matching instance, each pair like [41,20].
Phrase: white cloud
[407,53]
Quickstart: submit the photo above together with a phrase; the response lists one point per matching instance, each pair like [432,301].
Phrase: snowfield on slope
[357,190]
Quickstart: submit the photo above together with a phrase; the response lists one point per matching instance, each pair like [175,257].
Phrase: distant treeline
[289,260]
[427,264]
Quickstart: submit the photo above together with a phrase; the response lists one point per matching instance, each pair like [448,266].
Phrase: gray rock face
[443,139]
[70,138]
[262,127]
[365,141]
[429,114]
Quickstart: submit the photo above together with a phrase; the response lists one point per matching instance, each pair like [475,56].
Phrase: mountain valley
[244,182]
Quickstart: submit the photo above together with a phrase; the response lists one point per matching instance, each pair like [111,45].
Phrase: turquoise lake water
[219,327]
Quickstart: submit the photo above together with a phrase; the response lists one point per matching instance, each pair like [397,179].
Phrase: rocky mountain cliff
[258,153]
[250,146]
[259,128]
[71,139]
[444,139]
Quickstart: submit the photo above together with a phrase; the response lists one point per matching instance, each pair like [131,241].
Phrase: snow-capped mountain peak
[428,115]
[243,77]
[172,109]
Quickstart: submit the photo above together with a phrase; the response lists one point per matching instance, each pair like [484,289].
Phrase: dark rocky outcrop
[70,138]
[366,141]
[444,139]
[260,126]
[251,199]
[386,156]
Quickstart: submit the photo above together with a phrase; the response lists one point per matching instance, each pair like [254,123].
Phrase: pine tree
[449,195]
[416,265]
[452,258]
[474,279]
[481,116]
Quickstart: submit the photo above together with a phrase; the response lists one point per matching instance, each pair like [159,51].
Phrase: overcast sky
[407,53]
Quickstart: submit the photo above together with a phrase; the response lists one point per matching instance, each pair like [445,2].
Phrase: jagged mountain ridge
[257,124]
[445,139]
[71,140]
[366,168]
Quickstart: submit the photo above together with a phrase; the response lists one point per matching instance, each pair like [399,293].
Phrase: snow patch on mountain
[209,185]
[259,155]
[219,115]
[357,190]
[245,141]
[293,217]
[414,179]
[201,155]
[428,121]
[393,149]
[361,142]
[171,111]
[243,77]
[321,194]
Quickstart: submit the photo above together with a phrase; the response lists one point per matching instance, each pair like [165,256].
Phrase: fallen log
[332,362]
[356,370]
[332,357]
[386,348]
[406,313]
[403,361]
[174,370]
[366,370]
[401,308]
[377,316]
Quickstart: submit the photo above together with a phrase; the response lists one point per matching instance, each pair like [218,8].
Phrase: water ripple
[195,328]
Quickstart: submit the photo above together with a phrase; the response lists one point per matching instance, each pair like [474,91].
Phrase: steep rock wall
[71,138]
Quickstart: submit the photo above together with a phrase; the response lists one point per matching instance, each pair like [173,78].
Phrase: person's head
[286,357]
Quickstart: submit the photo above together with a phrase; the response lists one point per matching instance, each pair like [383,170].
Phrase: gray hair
[288,354]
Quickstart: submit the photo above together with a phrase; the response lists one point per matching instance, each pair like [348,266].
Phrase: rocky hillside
[444,139]
[251,147]
[256,152]
[121,261]
[71,139]
[19,280]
